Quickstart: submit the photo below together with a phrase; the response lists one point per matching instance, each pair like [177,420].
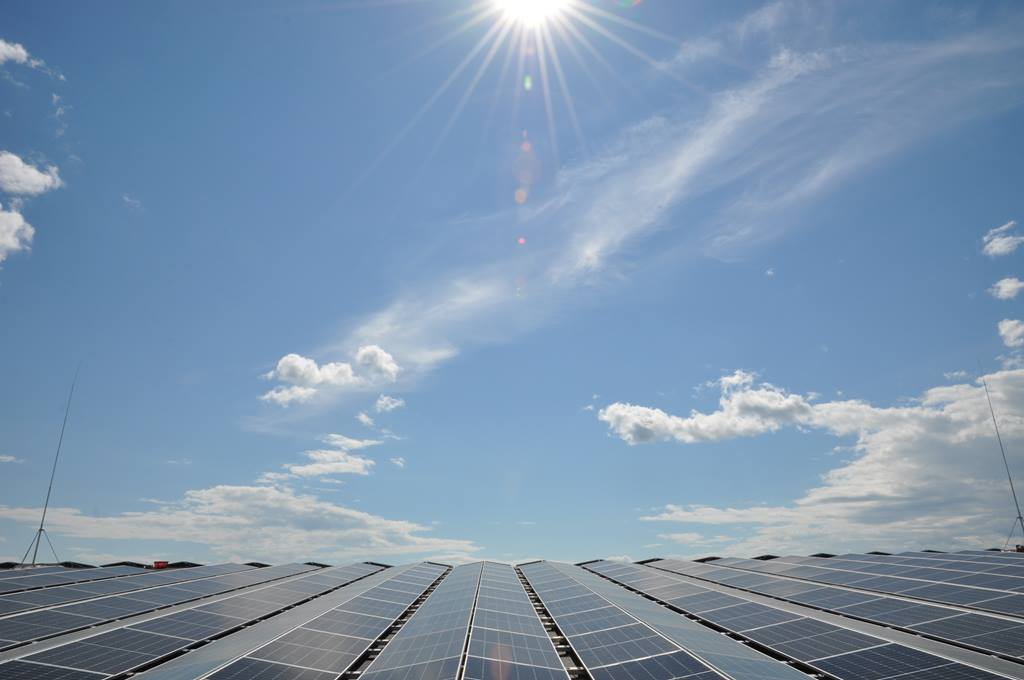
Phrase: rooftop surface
[912,616]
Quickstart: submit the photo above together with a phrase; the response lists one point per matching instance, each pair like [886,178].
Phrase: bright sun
[532,13]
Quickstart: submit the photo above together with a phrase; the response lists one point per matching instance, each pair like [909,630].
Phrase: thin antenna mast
[41,532]
[1006,464]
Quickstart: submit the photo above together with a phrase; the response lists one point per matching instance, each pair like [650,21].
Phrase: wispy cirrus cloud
[267,522]
[386,403]
[753,157]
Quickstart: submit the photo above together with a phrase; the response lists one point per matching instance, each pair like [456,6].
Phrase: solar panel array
[841,652]
[619,635]
[328,645]
[430,645]
[121,650]
[913,616]
[18,629]
[41,577]
[987,583]
[865,578]
[508,640]
[997,634]
[54,594]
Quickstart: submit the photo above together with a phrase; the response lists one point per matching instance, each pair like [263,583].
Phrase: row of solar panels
[480,621]
[970,584]
[987,632]
[40,577]
[99,585]
[840,652]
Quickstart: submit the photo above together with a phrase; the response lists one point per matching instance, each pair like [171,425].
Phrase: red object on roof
[159,564]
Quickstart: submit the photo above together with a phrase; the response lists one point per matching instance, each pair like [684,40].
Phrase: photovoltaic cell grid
[26,600]
[125,649]
[721,653]
[430,644]
[42,577]
[327,645]
[508,640]
[980,631]
[843,653]
[38,625]
[971,585]
[21,572]
[611,644]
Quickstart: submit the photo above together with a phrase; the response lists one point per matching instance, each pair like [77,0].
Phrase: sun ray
[510,51]
[397,139]
[520,70]
[610,16]
[506,26]
[546,88]
[570,44]
[566,94]
[596,54]
[486,10]
[629,47]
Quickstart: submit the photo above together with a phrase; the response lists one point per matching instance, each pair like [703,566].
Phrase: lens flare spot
[521,241]
[527,82]
[521,195]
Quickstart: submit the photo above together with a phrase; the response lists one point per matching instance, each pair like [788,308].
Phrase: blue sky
[426,279]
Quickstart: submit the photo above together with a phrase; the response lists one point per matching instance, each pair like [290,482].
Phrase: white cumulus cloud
[15,233]
[926,473]
[306,377]
[1006,289]
[745,410]
[299,370]
[364,419]
[16,53]
[386,403]
[284,396]
[1001,240]
[1012,332]
[19,177]
[378,362]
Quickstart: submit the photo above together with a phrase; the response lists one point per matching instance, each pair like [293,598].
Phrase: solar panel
[333,641]
[83,589]
[843,653]
[964,585]
[30,571]
[975,630]
[19,670]
[430,644]
[42,579]
[507,638]
[651,633]
[255,669]
[71,617]
[124,649]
